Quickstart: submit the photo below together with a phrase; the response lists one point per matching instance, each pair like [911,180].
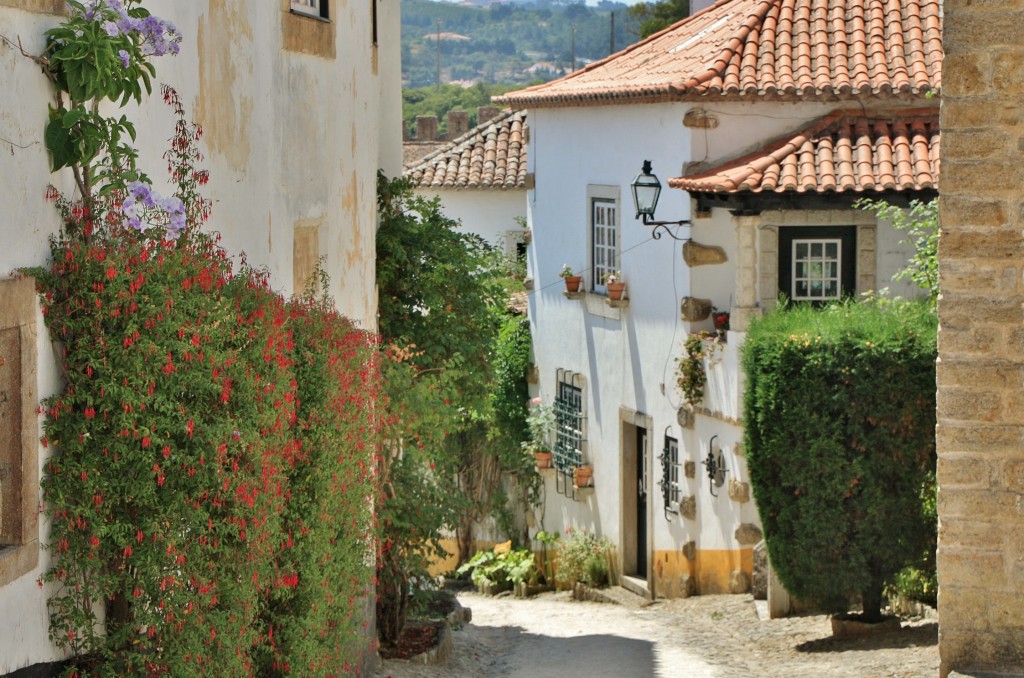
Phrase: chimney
[485,113]
[426,128]
[458,124]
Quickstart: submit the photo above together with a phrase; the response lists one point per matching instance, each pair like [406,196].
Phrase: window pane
[801,251]
[832,250]
[801,289]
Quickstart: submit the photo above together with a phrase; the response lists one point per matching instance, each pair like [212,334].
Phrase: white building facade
[670,486]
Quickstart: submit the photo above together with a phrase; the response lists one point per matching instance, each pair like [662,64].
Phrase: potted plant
[572,281]
[539,420]
[582,475]
[721,319]
[615,284]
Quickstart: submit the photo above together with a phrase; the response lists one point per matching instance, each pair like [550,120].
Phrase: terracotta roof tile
[492,155]
[844,151]
[782,48]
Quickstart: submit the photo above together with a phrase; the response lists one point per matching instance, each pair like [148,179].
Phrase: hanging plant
[691,375]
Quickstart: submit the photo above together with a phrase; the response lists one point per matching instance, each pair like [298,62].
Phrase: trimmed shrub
[840,438]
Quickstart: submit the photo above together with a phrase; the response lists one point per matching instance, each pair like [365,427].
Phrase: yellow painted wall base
[710,570]
[448,564]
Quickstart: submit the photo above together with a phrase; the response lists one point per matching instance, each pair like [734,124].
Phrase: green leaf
[58,142]
[73,116]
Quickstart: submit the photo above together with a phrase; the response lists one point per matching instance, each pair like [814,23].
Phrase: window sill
[307,15]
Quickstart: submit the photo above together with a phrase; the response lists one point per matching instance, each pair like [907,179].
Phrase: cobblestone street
[717,636]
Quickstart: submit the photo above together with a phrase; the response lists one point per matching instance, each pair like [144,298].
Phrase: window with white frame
[316,8]
[817,264]
[604,240]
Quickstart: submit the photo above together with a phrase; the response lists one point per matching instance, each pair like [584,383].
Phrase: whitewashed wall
[292,140]
[628,356]
[488,213]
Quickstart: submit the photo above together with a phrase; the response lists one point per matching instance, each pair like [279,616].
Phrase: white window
[816,266]
[816,263]
[311,7]
[604,237]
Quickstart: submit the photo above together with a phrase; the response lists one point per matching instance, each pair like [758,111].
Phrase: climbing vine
[691,374]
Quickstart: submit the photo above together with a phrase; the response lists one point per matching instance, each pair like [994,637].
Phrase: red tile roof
[785,49]
[844,151]
[492,155]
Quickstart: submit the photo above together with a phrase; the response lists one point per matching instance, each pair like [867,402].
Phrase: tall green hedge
[840,434]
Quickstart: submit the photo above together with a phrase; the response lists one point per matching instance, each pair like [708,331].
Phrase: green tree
[650,18]
[441,295]
[920,222]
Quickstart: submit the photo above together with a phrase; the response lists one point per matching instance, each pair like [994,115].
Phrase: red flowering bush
[212,479]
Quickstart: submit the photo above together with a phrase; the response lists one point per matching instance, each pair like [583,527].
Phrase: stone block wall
[980,434]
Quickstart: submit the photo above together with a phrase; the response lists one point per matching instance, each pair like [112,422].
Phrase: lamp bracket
[664,225]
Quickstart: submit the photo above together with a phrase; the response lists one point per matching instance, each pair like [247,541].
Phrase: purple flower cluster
[143,201]
[156,36]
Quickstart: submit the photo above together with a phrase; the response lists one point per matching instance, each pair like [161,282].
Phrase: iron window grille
[671,475]
[568,427]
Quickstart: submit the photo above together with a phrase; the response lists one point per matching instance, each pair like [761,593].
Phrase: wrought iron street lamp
[646,191]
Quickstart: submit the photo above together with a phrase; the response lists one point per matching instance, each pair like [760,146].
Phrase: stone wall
[980,432]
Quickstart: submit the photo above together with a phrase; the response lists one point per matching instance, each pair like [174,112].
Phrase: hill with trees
[507,43]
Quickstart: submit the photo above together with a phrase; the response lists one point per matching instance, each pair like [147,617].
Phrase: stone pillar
[458,124]
[981,341]
[485,113]
[745,306]
[426,128]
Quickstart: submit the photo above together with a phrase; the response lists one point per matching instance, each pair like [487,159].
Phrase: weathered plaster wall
[981,340]
[291,108]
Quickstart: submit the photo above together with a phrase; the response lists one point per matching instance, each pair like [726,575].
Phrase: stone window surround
[18,311]
[768,246]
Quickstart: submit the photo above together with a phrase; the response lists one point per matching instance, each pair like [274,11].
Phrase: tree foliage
[920,222]
[651,17]
[840,437]
[501,42]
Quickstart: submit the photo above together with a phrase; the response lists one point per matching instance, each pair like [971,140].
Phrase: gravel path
[699,637]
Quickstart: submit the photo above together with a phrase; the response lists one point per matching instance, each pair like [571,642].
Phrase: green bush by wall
[840,434]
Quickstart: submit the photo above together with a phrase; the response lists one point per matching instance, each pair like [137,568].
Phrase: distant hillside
[506,42]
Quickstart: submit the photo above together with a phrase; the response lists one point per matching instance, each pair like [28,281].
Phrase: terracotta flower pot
[615,290]
[582,476]
[543,459]
[572,283]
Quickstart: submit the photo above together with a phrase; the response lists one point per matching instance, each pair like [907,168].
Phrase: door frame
[629,421]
